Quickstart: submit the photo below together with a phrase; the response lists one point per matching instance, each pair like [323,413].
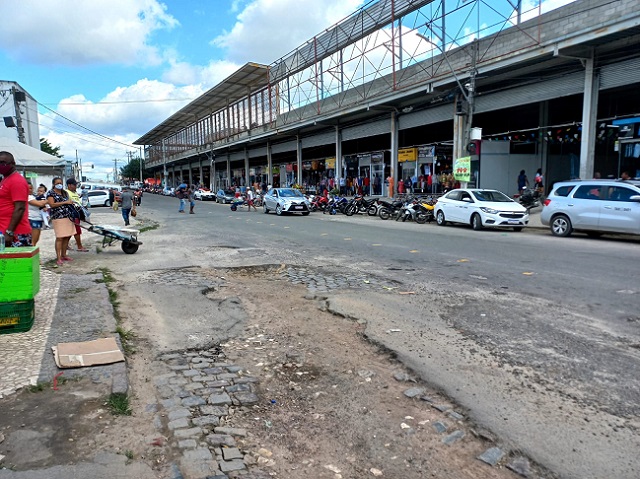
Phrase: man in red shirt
[14,193]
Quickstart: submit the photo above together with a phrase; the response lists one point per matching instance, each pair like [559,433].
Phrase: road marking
[347,239]
[414,251]
[376,244]
[286,227]
[463,260]
[528,273]
[324,234]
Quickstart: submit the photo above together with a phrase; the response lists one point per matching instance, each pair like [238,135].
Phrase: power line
[120,102]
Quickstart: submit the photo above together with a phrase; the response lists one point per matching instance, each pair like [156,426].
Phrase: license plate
[298,207]
[513,222]
[9,321]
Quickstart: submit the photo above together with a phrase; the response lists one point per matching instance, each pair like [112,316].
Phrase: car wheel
[517,229]
[265,209]
[106,203]
[476,222]
[561,226]
[440,218]
[279,210]
[305,213]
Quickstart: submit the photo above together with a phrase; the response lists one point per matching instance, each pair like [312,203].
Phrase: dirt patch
[331,406]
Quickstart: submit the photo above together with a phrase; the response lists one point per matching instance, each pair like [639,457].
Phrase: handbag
[115,206]
[134,213]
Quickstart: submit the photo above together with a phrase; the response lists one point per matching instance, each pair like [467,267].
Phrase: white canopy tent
[28,157]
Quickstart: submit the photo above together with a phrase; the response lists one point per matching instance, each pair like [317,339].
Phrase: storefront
[629,147]
[365,173]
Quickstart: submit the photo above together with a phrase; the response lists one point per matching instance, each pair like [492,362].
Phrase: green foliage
[131,170]
[48,148]
[118,404]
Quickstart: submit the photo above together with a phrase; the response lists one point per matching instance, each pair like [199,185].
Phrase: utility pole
[115,170]
[140,153]
[19,97]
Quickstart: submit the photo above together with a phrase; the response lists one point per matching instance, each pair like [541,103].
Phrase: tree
[131,171]
[48,148]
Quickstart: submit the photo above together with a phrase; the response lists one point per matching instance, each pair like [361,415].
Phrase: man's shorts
[21,240]
[36,224]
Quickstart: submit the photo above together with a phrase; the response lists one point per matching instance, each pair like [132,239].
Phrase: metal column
[589,116]
[394,152]
[269,164]
[228,171]
[338,173]
[299,160]
[247,177]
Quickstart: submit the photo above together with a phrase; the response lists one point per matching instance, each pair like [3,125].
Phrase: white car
[286,200]
[204,195]
[98,198]
[481,209]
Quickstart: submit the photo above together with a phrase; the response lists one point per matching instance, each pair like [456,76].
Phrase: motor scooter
[529,198]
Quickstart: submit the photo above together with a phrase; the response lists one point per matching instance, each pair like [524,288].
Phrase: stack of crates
[19,284]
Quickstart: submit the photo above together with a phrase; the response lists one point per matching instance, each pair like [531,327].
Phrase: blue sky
[120,67]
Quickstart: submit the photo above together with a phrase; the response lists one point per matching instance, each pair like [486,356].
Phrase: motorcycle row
[412,208]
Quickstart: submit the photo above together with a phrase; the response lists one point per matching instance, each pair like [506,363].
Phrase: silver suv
[593,206]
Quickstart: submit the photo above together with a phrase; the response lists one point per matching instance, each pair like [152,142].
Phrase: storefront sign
[426,153]
[407,154]
[462,169]
[377,157]
[330,163]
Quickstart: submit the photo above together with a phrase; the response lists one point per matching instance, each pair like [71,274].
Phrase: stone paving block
[234,431]
[235,465]
[456,416]
[453,437]
[218,399]
[520,465]
[217,383]
[198,454]
[198,469]
[213,371]
[441,407]
[200,365]
[492,456]
[187,444]
[178,381]
[245,380]
[246,398]
[413,392]
[179,367]
[163,378]
[227,376]
[165,392]
[221,440]
[187,433]
[178,413]
[179,423]
[214,410]
[238,387]
[183,394]
[190,373]
[120,383]
[440,427]
[206,421]
[193,386]
[234,369]
[170,403]
[230,453]
[192,401]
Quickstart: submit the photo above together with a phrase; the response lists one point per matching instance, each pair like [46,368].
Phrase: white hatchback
[99,198]
[481,209]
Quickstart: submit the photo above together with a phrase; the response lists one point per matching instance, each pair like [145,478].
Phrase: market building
[402,88]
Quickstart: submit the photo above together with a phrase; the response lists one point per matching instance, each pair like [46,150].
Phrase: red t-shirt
[14,188]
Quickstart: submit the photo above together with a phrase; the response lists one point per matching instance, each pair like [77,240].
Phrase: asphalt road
[537,336]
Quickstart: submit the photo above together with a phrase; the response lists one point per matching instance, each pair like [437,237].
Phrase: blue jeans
[182,203]
[125,215]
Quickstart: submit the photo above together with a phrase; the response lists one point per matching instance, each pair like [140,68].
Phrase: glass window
[453,195]
[588,192]
[495,196]
[618,193]
[564,190]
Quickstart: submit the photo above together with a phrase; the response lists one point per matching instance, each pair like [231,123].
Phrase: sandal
[66,258]
[59,262]
[83,250]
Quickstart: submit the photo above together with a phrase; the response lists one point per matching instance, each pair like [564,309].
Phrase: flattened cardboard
[87,353]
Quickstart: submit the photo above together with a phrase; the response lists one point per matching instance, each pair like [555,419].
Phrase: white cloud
[207,76]
[76,33]
[266,30]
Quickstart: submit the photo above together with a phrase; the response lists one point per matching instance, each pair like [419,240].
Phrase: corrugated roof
[251,76]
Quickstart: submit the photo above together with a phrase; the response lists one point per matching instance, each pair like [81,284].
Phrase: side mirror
[467,200]
[635,198]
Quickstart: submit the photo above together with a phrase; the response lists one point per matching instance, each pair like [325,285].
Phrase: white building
[18,109]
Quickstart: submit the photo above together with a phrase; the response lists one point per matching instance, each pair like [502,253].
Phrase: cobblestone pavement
[21,354]
[199,391]
[315,279]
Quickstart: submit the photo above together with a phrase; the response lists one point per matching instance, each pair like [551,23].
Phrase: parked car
[225,196]
[286,200]
[204,195]
[593,206]
[98,198]
[481,209]
[169,192]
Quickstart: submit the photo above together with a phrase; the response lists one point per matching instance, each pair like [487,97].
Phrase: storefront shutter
[257,152]
[620,74]
[320,139]
[283,147]
[364,130]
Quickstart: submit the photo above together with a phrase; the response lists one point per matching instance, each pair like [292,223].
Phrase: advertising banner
[462,169]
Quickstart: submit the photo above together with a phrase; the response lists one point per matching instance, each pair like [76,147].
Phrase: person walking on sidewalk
[250,198]
[127,204]
[14,193]
[72,187]
[61,218]
[191,192]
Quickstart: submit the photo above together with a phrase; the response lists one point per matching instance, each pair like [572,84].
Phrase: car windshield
[290,193]
[489,195]
[229,192]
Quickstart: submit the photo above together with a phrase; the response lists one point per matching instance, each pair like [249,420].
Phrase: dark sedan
[225,196]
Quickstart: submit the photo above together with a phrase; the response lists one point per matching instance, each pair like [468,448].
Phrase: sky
[121,67]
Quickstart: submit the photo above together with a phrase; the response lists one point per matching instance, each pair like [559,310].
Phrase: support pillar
[338,170]
[589,116]
[543,120]
[228,171]
[393,182]
[299,160]
[190,175]
[269,165]
[200,177]
[247,176]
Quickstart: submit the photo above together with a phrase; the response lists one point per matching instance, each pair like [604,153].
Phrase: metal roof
[250,77]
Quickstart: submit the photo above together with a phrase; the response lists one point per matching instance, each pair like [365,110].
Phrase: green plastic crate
[19,274]
[16,316]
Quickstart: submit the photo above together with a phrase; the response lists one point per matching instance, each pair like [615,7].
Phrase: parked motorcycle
[359,204]
[388,209]
[412,209]
[529,198]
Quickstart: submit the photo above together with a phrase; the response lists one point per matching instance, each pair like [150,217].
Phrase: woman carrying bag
[62,214]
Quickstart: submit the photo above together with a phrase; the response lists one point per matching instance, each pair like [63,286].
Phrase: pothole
[316,279]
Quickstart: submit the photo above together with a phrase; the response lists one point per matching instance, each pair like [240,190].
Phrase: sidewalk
[71,306]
